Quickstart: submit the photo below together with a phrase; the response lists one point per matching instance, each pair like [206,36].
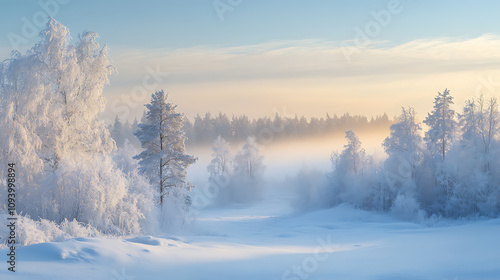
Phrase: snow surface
[266,240]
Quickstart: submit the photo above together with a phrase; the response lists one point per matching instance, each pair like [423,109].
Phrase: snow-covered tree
[131,136]
[248,161]
[468,122]
[51,100]
[222,159]
[164,160]
[58,87]
[404,146]
[405,135]
[127,130]
[19,142]
[220,172]
[135,125]
[237,179]
[473,163]
[353,158]
[117,132]
[52,96]
[442,125]
[486,129]
[352,169]
[491,125]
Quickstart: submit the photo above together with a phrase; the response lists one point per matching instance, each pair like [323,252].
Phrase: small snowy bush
[407,208]
[31,232]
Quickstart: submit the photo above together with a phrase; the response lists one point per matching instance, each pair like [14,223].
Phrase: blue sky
[264,56]
[187,23]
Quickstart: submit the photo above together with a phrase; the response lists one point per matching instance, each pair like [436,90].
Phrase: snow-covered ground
[268,241]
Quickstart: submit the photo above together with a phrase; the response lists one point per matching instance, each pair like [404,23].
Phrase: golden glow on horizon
[311,79]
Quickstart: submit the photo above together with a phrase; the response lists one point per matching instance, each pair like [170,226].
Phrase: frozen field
[266,241]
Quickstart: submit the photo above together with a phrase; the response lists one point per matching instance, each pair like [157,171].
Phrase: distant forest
[204,130]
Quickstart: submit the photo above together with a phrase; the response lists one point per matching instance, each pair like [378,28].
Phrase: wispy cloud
[288,73]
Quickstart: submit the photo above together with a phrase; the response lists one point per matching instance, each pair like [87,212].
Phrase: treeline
[124,132]
[204,130]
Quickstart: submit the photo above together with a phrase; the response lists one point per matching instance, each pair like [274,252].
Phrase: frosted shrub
[174,211]
[352,173]
[99,195]
[32,232]
[407,208]
[139,188]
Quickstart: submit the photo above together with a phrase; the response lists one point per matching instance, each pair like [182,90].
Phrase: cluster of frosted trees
[123,132]
[452,170]
[204,130]
[69,172]
[236,178]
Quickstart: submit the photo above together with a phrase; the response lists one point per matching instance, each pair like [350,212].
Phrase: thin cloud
[286,73]
[312,58]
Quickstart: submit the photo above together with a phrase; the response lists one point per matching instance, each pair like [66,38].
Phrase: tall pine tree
[442,125]
[164,160]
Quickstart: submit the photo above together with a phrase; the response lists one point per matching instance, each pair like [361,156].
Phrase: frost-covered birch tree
[57,88]
[222,159]
[404,146]
[353,157]
[51,100]
[248,161]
